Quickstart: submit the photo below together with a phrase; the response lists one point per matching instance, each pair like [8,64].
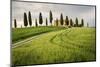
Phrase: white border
[5,33]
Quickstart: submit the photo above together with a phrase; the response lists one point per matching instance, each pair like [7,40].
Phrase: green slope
[19,34]
[70,45]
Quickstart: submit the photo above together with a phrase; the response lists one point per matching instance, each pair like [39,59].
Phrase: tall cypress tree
[46,22]
[87,24]
[29,18]
[61,19]
[40,18]
[76,20]
[66,21]
[51,17]
[15,23]
[56,22]
[25,20]
[82,22]
[71,22]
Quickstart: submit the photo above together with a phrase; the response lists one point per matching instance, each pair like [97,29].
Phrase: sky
[72,11]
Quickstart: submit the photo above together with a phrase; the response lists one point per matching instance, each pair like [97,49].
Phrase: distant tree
[61,19]
[21,26]
[25,20]
[36,23]
[87,25]
[71,22]
[15,23]
[66,21]
[46,22]
[56,22]
[74,25]
[76,20]
[40,18]
[82,22]
[29,18]
[51,17]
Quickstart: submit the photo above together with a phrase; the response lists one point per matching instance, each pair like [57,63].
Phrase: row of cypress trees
[69,22]
[28,21]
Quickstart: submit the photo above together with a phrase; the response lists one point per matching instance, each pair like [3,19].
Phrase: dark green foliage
[40,18]
[76,20]
[74,25]
[36,23]
[25,20]
[46,22]
[56,22]
[66,21]
[79,25]
[29,18]
[82,22]
[15,23]
[61,19]
[51,17]
[69,26]
[87,25]
[71,22]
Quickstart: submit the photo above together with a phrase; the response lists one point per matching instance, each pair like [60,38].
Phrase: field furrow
[63,45]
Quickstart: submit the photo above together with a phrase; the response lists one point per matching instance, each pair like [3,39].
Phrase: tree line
[58,22]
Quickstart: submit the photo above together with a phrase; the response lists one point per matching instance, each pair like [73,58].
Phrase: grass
[23,33]
[66,45]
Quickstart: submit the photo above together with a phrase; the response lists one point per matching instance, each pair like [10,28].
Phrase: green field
[62,45]
[23,33]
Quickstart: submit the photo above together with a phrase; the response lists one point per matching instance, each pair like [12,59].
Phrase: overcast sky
[72,11]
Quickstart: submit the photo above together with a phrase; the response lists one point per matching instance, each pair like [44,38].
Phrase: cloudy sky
[72,11]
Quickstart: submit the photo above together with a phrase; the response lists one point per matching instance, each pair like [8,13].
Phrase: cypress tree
[61,19]
[56,22]
[36,23]
[82,22]
[87,25]
[66,21]
[76,20]
[51,17]
[15,23]
[46,22]
[25,20]
[40,18]
[29,17]
[71,22]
